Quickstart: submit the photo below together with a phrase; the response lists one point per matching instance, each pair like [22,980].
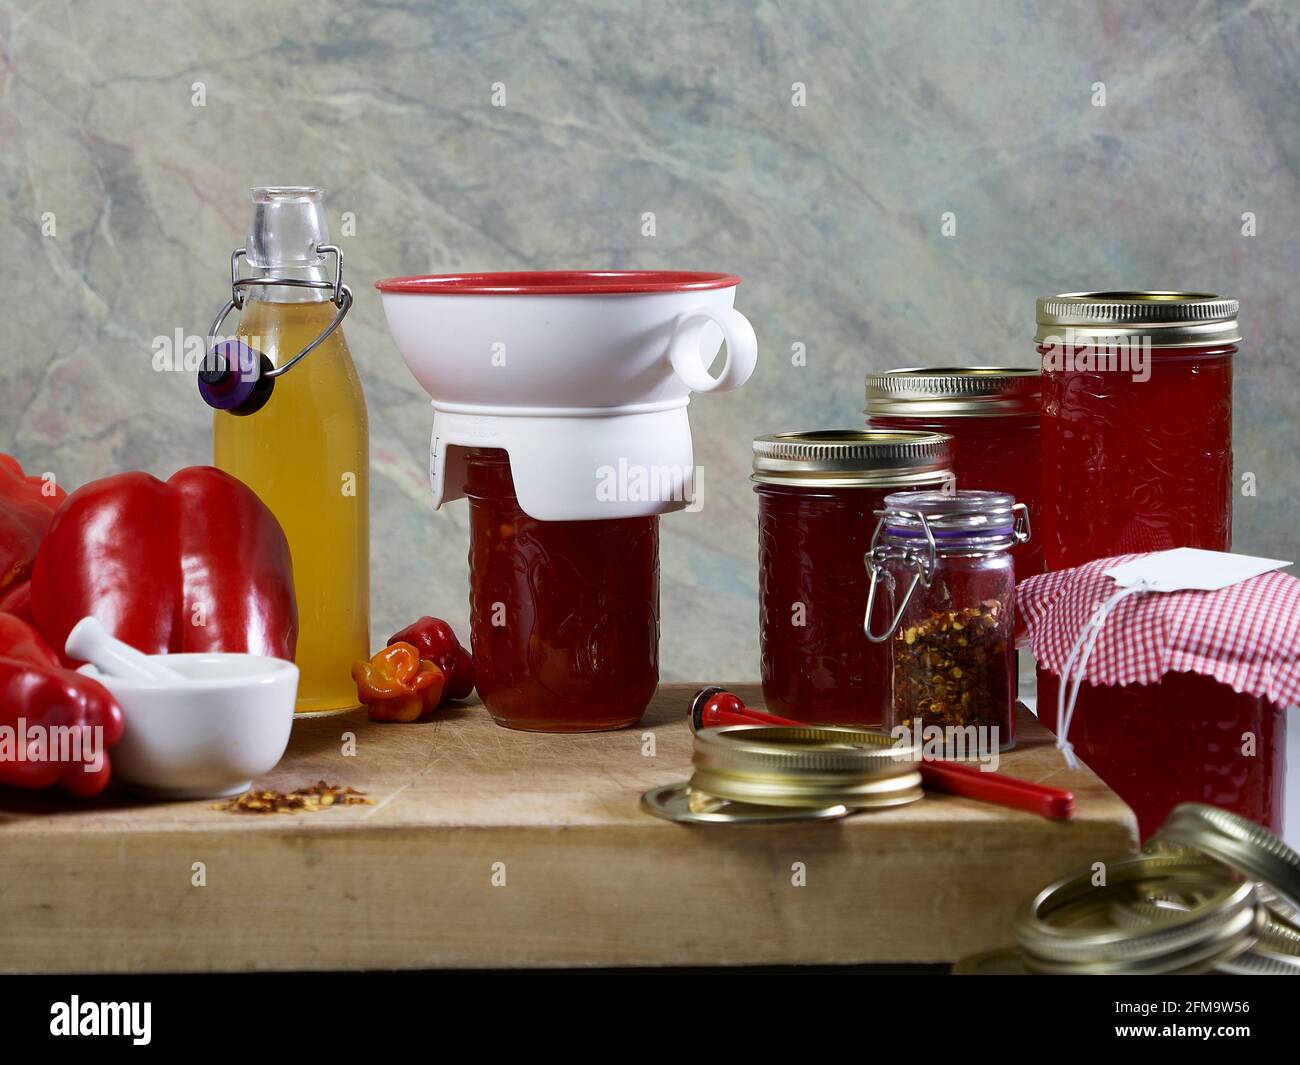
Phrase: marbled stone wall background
[830,211]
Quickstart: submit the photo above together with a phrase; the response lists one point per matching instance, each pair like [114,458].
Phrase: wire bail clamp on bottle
[921,562]
[237,378]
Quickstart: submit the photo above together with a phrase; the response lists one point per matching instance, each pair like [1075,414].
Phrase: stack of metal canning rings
[1211,892]
[778,772]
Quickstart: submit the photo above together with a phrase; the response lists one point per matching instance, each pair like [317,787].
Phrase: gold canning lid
[1276,952]
[808,766]
[677,802]
[1252,851]
[797,749]
[1068,928]
[853,793]
[1170,319]
[853,458]
[953,392]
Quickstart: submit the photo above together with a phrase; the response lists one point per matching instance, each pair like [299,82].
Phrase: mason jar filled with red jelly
[991,413]
[818,497]
[1187,738]
[564,615]
[1137,423]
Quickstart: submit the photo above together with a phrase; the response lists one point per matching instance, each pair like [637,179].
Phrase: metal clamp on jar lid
[853,458]
[920,527]
[954,392]
[1169,319]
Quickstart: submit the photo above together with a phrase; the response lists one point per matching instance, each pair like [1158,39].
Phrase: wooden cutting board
[492,848]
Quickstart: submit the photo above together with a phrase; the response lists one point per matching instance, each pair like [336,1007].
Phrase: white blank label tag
[1190,568]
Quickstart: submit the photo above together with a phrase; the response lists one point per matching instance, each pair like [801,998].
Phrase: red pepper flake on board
[951,667]
[312,798]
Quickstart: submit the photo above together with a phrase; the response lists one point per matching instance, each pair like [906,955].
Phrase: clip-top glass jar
[564,615]
[817,497]
[992,415]
[1137,423]
[944,562]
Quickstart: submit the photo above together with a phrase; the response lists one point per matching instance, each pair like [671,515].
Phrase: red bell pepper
[18,601]
[55,725]
[436,641]
[197,563]
[27,506]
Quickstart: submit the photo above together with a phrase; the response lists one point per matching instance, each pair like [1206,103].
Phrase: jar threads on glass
[818,493]
[1136,422]
[992,414]
[942,563]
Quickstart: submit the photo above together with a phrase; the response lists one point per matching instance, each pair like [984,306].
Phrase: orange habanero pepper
[396,685]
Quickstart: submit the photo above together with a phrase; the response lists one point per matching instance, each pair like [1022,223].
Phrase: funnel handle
[685,354]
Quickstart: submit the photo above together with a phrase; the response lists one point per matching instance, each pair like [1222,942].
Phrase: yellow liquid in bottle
[306,455]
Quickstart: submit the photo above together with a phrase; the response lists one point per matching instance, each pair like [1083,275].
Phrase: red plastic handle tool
[713,707]
[972,783]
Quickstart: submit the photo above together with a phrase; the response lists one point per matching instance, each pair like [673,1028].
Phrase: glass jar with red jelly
[564,615]
[942,598]
[991,413]
[1137,423]
[1187,738]
[818,493]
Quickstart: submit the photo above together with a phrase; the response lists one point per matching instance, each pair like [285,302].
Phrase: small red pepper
[48,717]
[397,685]
[436,641]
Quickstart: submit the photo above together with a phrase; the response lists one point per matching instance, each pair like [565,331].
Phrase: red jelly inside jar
[564,615]
[1137,426]
[818,494]
[1186,739]
[992,415]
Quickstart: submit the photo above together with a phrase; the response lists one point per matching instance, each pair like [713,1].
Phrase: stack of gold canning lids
[1253,851]
[766,773]
[1212,892]
[1255,854]
[1069,928]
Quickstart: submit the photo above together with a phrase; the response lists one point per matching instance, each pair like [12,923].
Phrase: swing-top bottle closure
[288,248]
[921,527]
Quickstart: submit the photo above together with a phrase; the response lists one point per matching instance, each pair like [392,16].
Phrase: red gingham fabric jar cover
[1246,636]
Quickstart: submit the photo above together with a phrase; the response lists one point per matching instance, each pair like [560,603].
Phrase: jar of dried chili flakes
[942,562]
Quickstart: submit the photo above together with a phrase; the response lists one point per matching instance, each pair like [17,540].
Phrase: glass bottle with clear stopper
[306,452]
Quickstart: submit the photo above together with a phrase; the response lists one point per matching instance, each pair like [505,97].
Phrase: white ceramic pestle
[93,643]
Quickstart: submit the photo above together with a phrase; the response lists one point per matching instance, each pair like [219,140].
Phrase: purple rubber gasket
[242,372]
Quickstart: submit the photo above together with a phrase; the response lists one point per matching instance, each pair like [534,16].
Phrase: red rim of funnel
[557,283]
